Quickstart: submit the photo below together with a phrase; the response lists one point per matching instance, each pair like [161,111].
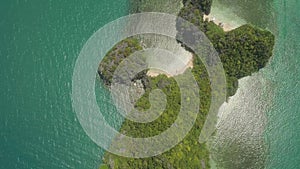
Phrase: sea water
[283,132]
[40,42]
[268,100]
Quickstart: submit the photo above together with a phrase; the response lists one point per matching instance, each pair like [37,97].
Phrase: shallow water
[275,89]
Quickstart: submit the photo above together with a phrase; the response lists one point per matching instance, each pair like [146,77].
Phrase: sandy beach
[226,26]
[188,58]
[179,70]
[224,16]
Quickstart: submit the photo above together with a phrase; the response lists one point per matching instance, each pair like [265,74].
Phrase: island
[243,51]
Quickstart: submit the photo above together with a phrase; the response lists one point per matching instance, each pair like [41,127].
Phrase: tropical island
[243,51]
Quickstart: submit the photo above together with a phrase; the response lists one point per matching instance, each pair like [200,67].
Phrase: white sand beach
[226,26]
[225,17]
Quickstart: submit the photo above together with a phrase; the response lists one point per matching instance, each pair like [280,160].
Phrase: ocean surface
[266,106]
[283,132]
[40,42]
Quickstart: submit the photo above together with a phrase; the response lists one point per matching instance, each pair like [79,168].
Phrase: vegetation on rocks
[242,51]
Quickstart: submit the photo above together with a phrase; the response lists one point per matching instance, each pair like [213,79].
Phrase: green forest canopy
[243,51]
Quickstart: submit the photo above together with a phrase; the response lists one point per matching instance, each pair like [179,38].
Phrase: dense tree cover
[242,51]
[191,14]
[189,153]
[103,167]
[166,6]
[246,48]
[115,56]
[202,5]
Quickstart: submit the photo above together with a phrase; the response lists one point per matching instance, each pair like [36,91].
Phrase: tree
[202,5]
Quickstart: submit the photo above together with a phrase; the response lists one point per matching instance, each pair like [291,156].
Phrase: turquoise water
[257,12]
[283,131]
[40,41]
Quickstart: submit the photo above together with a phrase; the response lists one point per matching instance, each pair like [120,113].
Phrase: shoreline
[224,16]
[235,121]
[225,25]
[233,116]
[228,21]
[179,70]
